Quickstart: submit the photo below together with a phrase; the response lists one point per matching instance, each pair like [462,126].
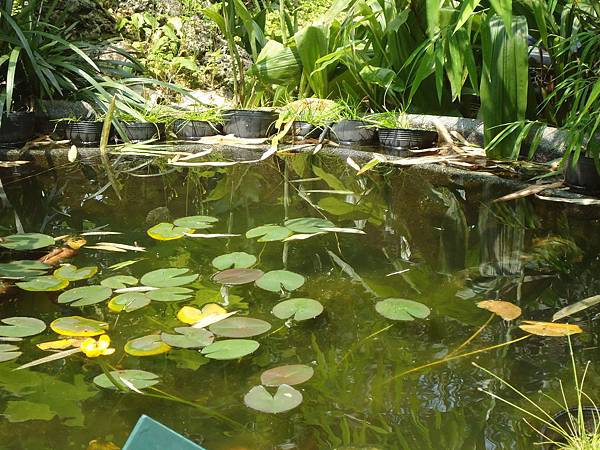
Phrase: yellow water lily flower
[94,348]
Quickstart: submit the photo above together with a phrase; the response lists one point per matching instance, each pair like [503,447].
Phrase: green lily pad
[18,327]
[167,232]
[298,309]
[269,233]
[236,260]
[85,295]
[170,294]
[195,222]
[46,283]
[291,375]
[22,269]
[128,301]
[139,379]
[70,272]
[26,241]
[237,276]
[285,399]
[240,327]
[78,326]
[278,280]
[230,349]
[162,278]
[189,337]
[308,225]
[401,309]
[9,352]
[119,281]
[146,346]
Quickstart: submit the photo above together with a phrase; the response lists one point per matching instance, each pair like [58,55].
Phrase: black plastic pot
[144,131]
[301,131]
[17,128]
[84,133]
[249,123]
[405,139]
[353,132]
[583,177]
[591,417]
[192,130]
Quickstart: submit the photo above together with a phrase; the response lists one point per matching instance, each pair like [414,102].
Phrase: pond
[443,245]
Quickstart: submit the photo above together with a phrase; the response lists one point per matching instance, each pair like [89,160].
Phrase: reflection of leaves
[332,181]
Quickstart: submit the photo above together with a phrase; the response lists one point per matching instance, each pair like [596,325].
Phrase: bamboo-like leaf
[576,307]
[47,359]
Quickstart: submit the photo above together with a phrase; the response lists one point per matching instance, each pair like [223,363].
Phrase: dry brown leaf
[97,445]
[550,328]
[58,255]
[529,190]
[506,310]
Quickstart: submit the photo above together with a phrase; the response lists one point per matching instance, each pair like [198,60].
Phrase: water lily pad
[170,294]
[18,327]
[269,233]
[230,349]
[85,295]
[139,379]
[70,272]
[162,278]
[191,315]
[308,225]
[128,301]
[285,399]
[240,327]
[146,346]
[26,241]
[291,375]
[236,260]
[9,352]
[46,283]
[167,232]
[402,309]
[78,326]
[237,276]
[506,310]
[298,308]
[189,337]
[550,328]
[119,281]
[195,222]
[278,280]
[22,269]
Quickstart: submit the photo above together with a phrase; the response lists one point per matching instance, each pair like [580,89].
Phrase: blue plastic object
[148,434]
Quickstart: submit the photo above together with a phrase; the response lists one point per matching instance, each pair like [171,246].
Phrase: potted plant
[250,123]
[351,128]
[142,126]
[310,117]
[16,128]
[395,132]
[83,132]
[582,173]
[194,125]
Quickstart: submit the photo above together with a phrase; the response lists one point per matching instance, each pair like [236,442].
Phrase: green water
[451,244]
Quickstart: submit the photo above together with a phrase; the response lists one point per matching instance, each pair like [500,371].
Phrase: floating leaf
[140,379]
[70,272]
[189,337]
[269,233]
[129,301]
[576,307]
[290,375]
[170,294]
[308,224]
[78,326]
[22,269]
[167,232]
[46,359]
[191,315]
[46,283]
[285,399]
[549,328]
[195,222]
[236,260]
[237,276]
[9,352]
[162,278]
[298,308]
[60,344]
[277,280]
[302,236]
[506,310]
[402,309]
[146,346]
[240,327]
[119,281]
[213,318]
[230,349]
[26,241]
[18,327]
[85,295]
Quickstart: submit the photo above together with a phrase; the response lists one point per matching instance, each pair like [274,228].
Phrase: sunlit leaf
[290,375]
[269,233]
[70,272]
[401,309]
[308,224]
[195,222]
[9,352]
[230,349]
[138,378]
[189,337]
[167,232]
[237,276]
[191,315]
[285,399]
[46,283]
[18,327]
[119,281]
[576,307]
[506,310]
[213,318]
[549,328]
[26,241]
[85,295]
[146,346]
[75,242]
[170,294]
[129,301]
[302,236]
[78,326]
[22,269]
[278,280]
[240,327]
[50,358]
[162,278]
[236,260]
[60,344]
[298,309]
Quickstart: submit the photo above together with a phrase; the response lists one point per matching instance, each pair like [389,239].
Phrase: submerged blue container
[148,434]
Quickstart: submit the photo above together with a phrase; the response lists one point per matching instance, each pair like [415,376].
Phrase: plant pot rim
[420,130]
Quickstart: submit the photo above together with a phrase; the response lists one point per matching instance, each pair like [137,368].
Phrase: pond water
[440,244]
